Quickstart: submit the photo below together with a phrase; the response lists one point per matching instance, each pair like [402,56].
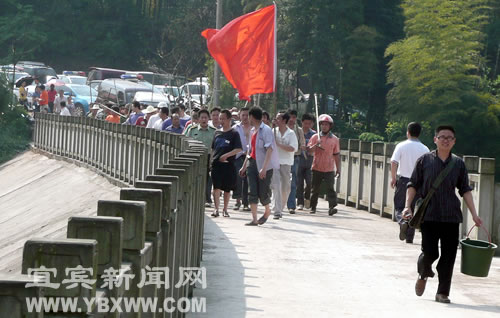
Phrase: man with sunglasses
[443,214]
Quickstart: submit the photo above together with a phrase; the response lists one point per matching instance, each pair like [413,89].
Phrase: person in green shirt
[204,133]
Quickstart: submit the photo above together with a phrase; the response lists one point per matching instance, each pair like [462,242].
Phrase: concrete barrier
[157,224]
[366,175]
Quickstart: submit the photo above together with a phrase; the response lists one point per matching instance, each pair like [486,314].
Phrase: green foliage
[19,38]
[370,137]
[252,5]
[395,130]
[440,75]
[437,64]
[14,126]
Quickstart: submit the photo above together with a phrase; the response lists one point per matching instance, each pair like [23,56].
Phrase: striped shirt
[444,206]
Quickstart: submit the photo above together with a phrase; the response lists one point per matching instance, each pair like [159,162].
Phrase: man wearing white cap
[93,111]
[154,118]
[148,112]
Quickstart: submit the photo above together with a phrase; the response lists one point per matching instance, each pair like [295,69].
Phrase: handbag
[421,204]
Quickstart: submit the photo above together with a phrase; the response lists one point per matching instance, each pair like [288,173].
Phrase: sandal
[252,223]
[215,214]
[225,214]
[262,220]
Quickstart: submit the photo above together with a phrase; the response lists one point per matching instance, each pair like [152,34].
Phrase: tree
[20,39]
[438,62]
[439,74]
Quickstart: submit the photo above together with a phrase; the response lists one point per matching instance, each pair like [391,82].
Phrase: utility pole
[496,63]
[218,22]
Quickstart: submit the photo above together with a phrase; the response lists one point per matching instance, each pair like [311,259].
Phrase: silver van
[118,91]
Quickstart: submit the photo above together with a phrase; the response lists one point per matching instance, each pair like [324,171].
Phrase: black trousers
[241,191]
[331,195]
[399,205]
[434,233]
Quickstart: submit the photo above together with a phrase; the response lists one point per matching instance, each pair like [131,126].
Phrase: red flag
[245,50]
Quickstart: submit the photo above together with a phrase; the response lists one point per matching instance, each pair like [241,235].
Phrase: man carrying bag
[439,221]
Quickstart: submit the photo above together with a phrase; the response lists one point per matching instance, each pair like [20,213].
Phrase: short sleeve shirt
[206,136]
[406,154]
[324,158]
[224,142]
[44,98]
[289,138]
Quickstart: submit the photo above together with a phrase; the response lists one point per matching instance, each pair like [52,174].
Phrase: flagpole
[218,22]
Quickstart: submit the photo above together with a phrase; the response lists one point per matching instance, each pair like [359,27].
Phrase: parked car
[139,80]
[150,98]
[83,96]
[101,73]
[119,91]
[196,90]
[172,91]
[153,78]
[73,79]
[37,69]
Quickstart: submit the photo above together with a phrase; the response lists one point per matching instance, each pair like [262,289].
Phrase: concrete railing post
[388,196]
[364,175]
[14,294]
[353,171]
[59,257]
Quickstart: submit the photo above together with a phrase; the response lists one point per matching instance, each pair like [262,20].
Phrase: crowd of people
[47,100]
[272,161]
[254,157]
[283,165]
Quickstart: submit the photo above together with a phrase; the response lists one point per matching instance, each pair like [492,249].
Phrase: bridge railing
[155,226]
[366,176]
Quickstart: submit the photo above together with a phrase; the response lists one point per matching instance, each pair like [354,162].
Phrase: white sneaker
[300,207]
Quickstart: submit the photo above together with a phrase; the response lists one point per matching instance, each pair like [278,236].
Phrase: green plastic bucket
[476,256]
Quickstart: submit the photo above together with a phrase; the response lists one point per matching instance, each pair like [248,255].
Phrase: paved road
[348,265]
[37,196]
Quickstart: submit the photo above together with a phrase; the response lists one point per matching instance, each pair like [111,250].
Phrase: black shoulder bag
[421,204]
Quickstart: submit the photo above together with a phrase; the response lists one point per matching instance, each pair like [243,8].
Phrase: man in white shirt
[57,101]
[154,118]
[163,115]
[64,109]
[403,161]
[287,144]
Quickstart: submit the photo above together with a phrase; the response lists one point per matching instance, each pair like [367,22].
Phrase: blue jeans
[291,203]
[304,174]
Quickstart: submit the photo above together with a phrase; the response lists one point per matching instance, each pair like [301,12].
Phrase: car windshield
[150,86]
[78,80]
[83,90]
[131,94]
[43,72]
[194,89]
[171,90]
[18,75]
